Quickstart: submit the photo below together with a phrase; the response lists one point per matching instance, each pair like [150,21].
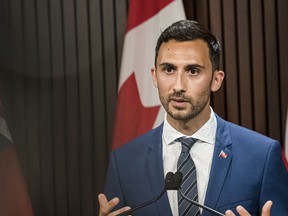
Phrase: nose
[180,83]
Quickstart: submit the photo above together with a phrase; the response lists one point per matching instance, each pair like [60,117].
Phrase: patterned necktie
[189,183]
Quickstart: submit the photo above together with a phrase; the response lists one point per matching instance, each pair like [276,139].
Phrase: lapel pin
[223,154]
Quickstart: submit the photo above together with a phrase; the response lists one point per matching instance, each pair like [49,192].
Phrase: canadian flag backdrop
[138,105]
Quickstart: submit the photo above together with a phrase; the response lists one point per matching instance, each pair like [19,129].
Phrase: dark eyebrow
[187,67]
[166,64]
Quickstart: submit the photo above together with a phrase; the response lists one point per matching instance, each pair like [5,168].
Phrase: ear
[154,77]
[218,77]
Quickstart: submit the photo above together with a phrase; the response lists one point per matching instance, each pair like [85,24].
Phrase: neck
[190,126]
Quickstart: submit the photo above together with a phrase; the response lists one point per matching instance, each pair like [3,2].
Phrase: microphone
[201,206]
[172,182]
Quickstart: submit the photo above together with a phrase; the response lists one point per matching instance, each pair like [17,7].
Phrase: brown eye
[194,69]
[168,69]
[194,72]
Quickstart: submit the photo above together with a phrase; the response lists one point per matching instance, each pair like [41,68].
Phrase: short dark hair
[187,30]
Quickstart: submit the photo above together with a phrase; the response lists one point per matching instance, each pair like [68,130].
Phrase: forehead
[189,52]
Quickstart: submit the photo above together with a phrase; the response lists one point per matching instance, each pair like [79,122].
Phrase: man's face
[184,78]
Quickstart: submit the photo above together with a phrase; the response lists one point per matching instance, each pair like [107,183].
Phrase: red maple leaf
[132,118]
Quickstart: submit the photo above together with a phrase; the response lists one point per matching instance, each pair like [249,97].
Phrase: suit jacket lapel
[155,172]
[220,165]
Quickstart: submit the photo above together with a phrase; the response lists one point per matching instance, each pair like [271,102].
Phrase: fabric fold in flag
[138,105]
[14,198]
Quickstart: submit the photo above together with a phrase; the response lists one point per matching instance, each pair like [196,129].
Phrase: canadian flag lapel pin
[223,154]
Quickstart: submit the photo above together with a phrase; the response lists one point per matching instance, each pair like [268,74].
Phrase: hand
[243,212]
[106,206]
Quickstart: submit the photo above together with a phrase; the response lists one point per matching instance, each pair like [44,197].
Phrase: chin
[180,115]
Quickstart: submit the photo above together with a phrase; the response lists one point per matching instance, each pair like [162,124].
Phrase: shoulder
[148,140]
[237,132]
[129,157]
[246,141]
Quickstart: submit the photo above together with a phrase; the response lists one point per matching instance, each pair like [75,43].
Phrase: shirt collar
[207,133]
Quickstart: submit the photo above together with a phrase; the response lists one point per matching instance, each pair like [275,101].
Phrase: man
[238,170]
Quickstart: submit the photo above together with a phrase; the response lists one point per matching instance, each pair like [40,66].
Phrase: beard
[184,114]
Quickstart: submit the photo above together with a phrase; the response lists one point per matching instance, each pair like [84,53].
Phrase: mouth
[178,102]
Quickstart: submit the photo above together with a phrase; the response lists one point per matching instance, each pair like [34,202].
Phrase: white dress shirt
[201,153]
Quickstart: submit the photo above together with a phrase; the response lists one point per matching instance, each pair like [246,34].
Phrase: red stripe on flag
[133,119]
[141,10]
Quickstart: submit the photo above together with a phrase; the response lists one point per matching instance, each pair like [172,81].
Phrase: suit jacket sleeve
[112,186]
[275,182]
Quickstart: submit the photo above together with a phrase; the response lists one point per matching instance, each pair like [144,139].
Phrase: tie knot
[187,143]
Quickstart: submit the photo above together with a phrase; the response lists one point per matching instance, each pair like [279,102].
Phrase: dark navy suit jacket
[252,173]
